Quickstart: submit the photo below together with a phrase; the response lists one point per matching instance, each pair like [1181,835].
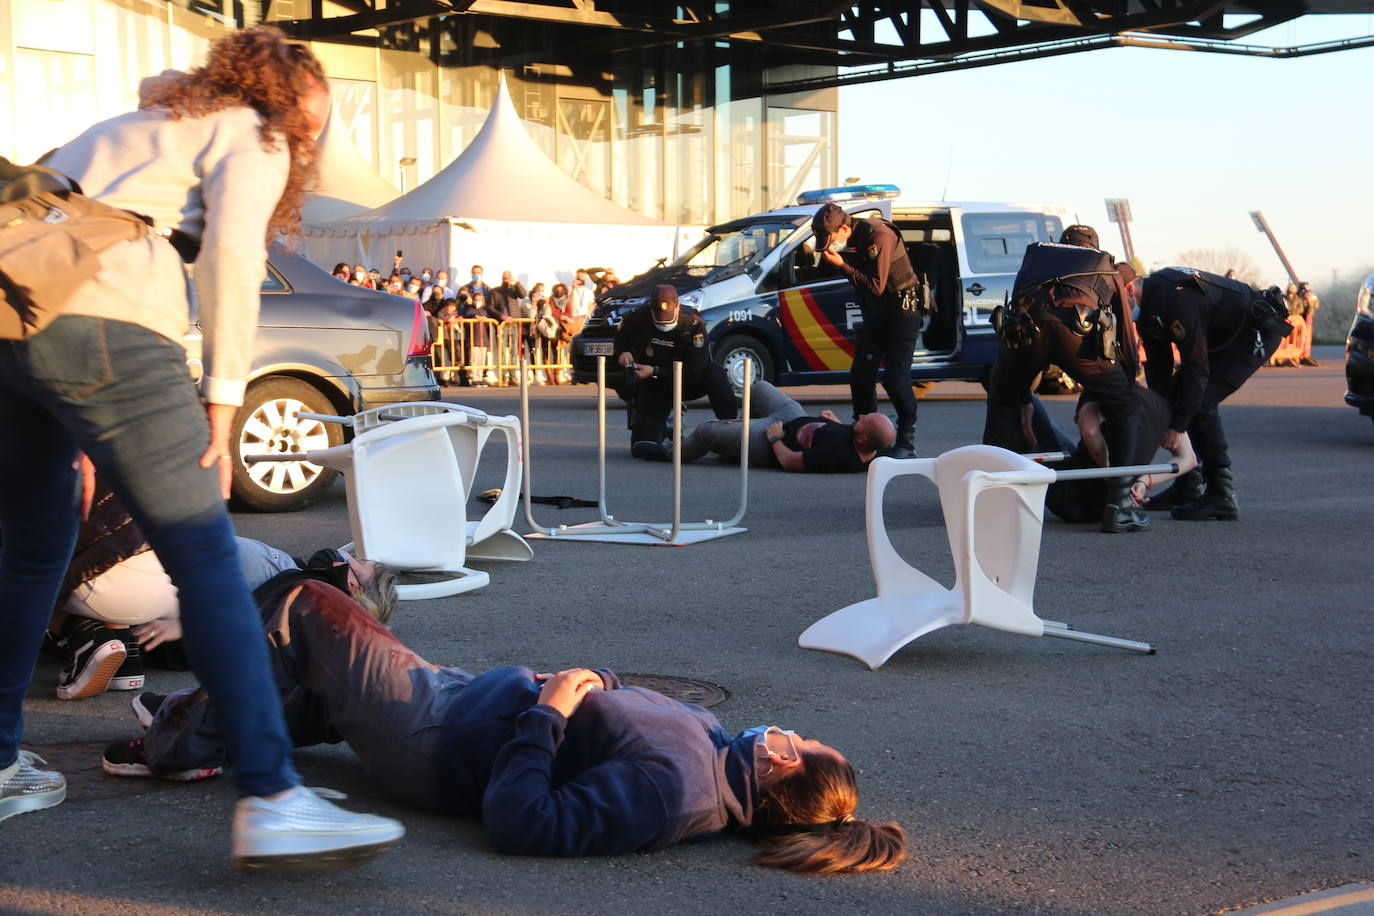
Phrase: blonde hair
[378,596]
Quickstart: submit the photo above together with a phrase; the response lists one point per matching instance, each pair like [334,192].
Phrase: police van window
[912,236]
[804,267]
[996,242]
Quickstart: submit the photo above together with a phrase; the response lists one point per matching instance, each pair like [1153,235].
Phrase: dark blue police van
[765,295]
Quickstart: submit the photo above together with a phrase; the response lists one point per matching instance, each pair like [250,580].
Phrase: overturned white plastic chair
[492,537]
[408,476]
[994,505]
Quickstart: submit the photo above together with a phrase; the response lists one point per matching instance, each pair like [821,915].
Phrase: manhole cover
[79,761]
[702,693]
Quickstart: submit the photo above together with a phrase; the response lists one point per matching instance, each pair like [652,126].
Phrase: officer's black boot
[1186,489]
[1219,502]
[1121,514]
[904,446]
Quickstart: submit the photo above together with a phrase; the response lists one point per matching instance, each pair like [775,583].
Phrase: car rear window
[271,283]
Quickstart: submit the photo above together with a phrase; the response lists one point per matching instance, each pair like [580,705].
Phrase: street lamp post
[1262,225]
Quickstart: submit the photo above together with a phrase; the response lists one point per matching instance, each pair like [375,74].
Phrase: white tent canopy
[347,184]
[505,205]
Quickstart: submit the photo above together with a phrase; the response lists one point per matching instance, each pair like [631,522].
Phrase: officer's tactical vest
[1067,283]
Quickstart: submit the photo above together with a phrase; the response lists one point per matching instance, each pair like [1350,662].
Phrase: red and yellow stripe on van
[823,346]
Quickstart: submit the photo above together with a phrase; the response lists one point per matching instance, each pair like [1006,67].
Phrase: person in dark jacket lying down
[566,764]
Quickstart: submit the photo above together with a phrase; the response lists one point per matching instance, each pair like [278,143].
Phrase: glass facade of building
[683,133]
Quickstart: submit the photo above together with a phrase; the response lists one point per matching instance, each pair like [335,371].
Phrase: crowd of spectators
[550,315]
[1302,313]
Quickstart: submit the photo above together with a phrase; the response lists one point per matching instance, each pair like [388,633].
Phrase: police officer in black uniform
[871,253]
[648,342]
[1065,316]
[1224,330]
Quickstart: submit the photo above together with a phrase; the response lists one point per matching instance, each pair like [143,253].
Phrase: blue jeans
[122,394]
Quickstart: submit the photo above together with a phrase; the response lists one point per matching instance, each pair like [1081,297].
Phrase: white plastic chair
[492,537]
[994,505]
[406,488]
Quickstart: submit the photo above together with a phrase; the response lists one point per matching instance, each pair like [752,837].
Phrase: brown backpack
[51,236]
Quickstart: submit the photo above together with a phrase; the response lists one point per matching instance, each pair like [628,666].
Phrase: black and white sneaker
[146,705]
[94,653]
[127,758]
[130,674]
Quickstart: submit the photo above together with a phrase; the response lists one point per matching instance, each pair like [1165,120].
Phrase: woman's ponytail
[810,813]
[840,846]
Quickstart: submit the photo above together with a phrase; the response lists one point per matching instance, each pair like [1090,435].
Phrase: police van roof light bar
[848,192]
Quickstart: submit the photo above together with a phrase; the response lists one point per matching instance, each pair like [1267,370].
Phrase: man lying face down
[785,437]
[1081,501]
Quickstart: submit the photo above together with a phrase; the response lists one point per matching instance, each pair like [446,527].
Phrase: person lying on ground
[782,435]
[117,602]
[1082,500]
[567,764]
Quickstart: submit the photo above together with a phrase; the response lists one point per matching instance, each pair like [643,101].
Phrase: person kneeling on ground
[567,764]
[785,437]
[649,341]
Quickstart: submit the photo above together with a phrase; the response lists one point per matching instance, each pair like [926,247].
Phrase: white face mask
[836,246]
[666,327]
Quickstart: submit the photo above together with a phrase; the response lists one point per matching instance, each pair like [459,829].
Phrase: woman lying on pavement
[566,764]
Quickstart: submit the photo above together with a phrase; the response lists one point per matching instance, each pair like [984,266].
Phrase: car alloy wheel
[269,424]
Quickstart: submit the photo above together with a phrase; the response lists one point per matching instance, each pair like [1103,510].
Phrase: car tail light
[420,341]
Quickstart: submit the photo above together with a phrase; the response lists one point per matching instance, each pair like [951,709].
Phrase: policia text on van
[764,294]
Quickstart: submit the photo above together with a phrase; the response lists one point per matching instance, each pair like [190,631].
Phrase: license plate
[598,348]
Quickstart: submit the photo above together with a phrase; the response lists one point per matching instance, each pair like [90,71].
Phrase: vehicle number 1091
[599,348]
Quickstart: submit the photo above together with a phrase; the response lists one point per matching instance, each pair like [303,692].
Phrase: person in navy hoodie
[562,764]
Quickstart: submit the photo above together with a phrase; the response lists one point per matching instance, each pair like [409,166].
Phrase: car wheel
[734,349]
[267,424]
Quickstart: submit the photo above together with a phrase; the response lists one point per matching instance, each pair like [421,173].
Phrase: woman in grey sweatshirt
[223,155]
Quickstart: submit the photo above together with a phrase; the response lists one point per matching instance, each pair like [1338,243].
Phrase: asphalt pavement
[1031,775]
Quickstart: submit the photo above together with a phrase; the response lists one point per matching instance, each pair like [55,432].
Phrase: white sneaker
[302,830]
[25,788]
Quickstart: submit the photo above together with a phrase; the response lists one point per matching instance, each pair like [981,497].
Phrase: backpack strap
[20,182]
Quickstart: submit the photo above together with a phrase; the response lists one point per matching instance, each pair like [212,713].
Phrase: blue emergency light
[848,192]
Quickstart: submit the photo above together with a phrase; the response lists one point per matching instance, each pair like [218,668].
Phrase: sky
[1195,141]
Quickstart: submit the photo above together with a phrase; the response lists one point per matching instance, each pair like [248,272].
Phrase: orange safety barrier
[1295,346]
[488,352]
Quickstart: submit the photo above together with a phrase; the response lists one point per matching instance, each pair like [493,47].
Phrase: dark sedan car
[1359,353]
[323,346]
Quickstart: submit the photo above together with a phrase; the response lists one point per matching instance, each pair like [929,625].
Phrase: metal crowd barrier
[491,351]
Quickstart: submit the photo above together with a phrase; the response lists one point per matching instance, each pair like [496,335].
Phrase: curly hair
[257,68]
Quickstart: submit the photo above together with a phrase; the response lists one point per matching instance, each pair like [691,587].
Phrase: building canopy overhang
[861,42]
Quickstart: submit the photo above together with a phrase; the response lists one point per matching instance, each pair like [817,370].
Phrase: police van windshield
[729,250]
